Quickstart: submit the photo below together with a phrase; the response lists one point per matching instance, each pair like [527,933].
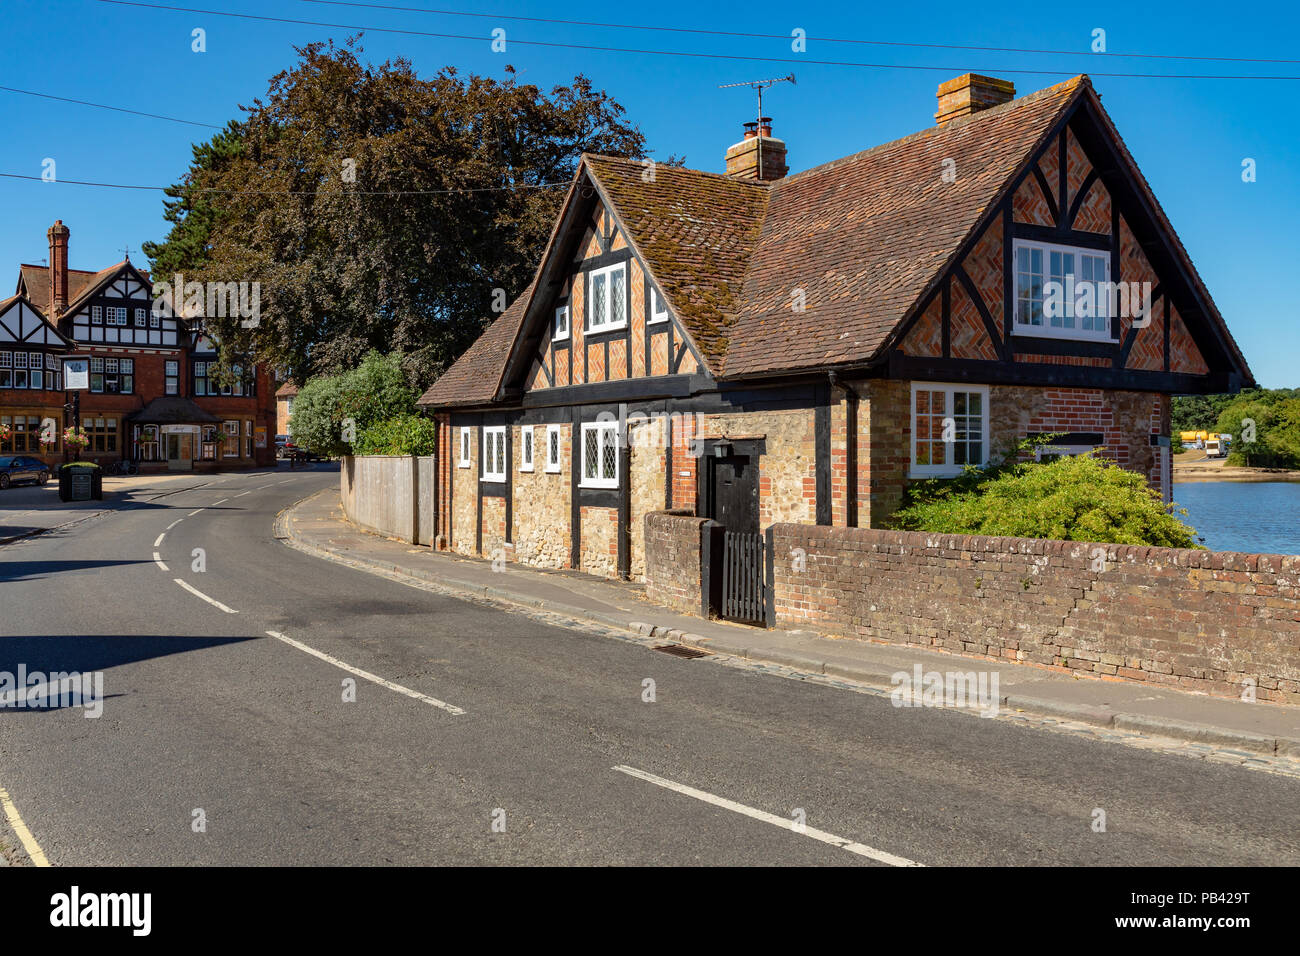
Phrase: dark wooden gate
[743,573]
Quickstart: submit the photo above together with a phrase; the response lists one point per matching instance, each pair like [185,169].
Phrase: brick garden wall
[1202,620]
[672,571]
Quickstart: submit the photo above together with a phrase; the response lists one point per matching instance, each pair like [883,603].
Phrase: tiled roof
[473,378]
[287,390]
[863,236]
[696,232]
[80,283]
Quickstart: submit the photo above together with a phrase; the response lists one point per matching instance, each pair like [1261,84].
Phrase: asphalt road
[205,712]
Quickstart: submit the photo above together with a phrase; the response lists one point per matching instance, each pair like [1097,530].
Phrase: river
[1259,517]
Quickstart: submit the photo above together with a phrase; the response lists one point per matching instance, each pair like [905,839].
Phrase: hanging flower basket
[75,438]
[6,433]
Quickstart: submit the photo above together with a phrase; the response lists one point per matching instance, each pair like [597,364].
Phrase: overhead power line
[294,192]
[683,53]
[782,36]
[105,106]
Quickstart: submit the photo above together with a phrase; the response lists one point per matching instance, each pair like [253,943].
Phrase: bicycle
[123,466]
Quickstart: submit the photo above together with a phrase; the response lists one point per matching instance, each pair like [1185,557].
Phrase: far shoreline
[1192,474]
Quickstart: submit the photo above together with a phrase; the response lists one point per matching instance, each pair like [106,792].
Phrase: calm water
[1261,517]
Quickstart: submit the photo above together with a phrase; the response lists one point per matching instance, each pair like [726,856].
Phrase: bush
[1082,498]
[404,435]
[376,390]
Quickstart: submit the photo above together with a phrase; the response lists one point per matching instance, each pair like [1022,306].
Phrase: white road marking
[248,492]
[173,524]
[785,824]
[449,708]
[159,539]
[221,502]
[157,559]
[197,593]
[194,512]
[24,835]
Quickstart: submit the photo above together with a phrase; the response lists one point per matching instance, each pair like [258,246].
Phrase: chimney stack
[759,155]
[971,93]
[58,235]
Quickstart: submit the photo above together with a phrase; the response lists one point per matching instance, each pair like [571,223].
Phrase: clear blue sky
[1188,135]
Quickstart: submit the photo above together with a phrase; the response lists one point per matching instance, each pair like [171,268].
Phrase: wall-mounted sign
[259,436]
[76,373]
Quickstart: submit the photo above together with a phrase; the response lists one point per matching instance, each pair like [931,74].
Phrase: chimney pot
[759,155]
[969,93]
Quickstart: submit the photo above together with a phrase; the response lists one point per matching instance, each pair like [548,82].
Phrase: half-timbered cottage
[154,394]
[759,347]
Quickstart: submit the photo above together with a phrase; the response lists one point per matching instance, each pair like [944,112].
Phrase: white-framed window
[950,428]
[230,447]
[155,321]
[607,302]
[494,453]
[96,315]
[658,310]
[139,318]
[552,448]
[526,448]
[599,455]
[1062,291]
[466,448]
[172,381]
[561,323]
[116,315]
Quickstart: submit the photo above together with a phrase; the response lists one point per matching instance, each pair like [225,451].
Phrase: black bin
[81,481]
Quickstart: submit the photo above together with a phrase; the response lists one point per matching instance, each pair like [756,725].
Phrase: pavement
[317,525]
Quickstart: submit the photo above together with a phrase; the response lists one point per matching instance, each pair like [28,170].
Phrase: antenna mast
[759,85]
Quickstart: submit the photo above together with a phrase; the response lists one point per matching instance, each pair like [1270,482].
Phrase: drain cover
[677,650]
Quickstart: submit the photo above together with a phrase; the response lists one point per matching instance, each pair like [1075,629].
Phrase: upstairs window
[561,323]
[949,429]
[96,315]
[139,318]
[172,379]
[494,454]
[201,379]
[600,455]
[1062,291]
[658,310]
[607,308]
[116,315]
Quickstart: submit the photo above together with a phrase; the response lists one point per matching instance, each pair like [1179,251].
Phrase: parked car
[15,468]
[284,446]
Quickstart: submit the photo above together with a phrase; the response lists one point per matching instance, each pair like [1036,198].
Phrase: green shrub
[374,391]
[1081,498]
[403,435]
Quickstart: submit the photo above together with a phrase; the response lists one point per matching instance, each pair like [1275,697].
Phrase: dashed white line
[197,593]
[157,559]
[159,539]
[194,512]
[20,829]
[221,502]
[860,849]
[449,708]
[174,523]
[248,492]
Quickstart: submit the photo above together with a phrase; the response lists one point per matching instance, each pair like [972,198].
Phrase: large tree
[378,209]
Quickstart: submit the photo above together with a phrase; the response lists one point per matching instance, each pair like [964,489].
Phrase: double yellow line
[25,835]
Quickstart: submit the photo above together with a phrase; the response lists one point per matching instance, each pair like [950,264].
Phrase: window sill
[603,485]
[1064,335]
[527,468]
[602,329]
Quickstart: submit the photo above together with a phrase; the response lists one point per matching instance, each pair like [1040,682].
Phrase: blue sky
[1190,136]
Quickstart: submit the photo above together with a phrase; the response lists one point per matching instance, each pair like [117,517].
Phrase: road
[209,719]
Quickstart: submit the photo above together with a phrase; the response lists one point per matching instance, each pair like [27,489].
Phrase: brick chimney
[58,234]
[758,155]
[971,93]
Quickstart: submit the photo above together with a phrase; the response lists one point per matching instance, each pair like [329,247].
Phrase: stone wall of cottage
[540,517]
[599,544]
[464,494]
[647,476]
[787,479]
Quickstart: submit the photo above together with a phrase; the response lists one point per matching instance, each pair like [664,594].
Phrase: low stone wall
[389,495]
[673,560]
[1204,620]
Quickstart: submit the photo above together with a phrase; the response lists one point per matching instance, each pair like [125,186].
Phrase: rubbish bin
[81,481]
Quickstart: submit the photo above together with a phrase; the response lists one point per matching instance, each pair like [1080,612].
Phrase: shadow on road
[32,570]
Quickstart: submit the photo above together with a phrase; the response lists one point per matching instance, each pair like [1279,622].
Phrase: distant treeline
[1264,424]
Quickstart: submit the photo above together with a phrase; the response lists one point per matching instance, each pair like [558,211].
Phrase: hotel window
[96,315]
[607,306]
[526,448]
[6,369]
[96,374]
[231,431]
[248,439]
[494,454]
[201,378]
[150,449]
[600,455]
[552,448]
[139,318]
[116,315]
[154,320]
[465,447]
[20,370]
[26,430]
[209,443]
[118,377]
[658,311]
[102,433]
[949,429]
[172,373]
[1062,291]
[561,323]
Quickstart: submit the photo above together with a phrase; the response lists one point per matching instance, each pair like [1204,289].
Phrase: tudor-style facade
[149,398]
[758,348]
